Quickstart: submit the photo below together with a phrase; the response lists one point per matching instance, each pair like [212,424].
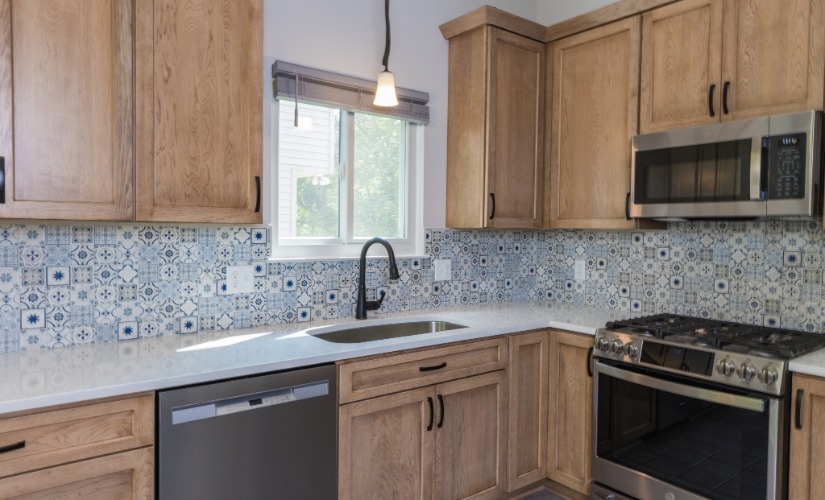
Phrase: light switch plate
[240,279]
[578,270]
[443,269]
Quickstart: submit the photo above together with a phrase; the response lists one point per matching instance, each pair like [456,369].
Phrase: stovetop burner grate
[728,336]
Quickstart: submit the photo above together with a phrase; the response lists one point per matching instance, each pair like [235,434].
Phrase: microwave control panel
[786,166]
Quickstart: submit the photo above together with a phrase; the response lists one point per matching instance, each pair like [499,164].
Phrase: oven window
[712,450]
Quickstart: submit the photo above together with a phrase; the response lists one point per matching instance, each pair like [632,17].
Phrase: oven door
[658,436]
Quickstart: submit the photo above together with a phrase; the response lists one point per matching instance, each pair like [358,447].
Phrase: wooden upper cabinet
[774,56]
[705,61]
[199,110]
[495,122]
[66,109]
[681,65]
[593,115]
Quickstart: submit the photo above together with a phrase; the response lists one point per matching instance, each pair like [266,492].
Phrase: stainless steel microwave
[764,167]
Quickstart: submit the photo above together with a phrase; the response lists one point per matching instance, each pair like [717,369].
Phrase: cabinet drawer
[384,375]
[70,434]
[127,475]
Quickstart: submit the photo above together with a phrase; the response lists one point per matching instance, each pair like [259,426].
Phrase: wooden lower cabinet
[444,441]
[570,410]
[807,442]
[527,420]
[122,476]
[94,450]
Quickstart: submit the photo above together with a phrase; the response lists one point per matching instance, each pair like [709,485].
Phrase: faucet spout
[363,305]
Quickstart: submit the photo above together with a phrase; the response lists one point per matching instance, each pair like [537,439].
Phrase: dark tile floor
[543,495]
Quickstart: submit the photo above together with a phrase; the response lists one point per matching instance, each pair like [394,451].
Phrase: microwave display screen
[700,173]
[786,175]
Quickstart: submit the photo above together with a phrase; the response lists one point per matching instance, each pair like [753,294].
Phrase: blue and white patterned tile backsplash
[70,284]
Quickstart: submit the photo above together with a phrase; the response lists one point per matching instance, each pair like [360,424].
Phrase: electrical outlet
[443,269]
[578,270]
[240,279]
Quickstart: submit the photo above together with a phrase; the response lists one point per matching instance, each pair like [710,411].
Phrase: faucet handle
[372,305]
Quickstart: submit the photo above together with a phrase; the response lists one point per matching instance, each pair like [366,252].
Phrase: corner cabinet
[66,109]
[570,413]
[427,424]
[807,462]
[495,121]
[199,110]
[527,376]
[593,114]
[705,61]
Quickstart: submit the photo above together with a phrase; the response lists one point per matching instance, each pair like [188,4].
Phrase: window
[346,170]
[343,177]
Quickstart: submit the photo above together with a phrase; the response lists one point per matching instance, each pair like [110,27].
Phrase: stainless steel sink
[357,334]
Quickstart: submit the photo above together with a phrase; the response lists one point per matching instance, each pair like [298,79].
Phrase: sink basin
[357,334]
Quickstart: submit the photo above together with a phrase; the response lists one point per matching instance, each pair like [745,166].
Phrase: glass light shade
[385,91]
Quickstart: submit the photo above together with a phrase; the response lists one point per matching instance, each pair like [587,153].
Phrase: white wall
[347,36]
[553,11]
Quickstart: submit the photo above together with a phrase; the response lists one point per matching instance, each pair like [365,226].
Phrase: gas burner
[715,334]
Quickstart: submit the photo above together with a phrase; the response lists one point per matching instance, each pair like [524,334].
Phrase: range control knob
[747,371]
[617,347]
[726,367]
[602,344]
[631,350]
[768,375]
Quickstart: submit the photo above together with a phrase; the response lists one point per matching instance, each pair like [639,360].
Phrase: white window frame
[349,246]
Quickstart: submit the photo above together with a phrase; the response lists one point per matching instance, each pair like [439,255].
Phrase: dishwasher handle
[249,402]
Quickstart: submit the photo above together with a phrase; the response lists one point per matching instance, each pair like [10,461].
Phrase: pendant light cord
[387,46]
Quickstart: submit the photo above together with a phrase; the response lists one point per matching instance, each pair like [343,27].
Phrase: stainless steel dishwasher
[271,436]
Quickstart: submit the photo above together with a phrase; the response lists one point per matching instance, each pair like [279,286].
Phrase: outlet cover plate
[240,279]
[578,270]
[443,269]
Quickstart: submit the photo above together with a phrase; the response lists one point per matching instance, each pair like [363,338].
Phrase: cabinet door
[469,438]
[774,56]
[681,65]
[594,114]
[527,419]
[515,153]
[570,411]
[125,475]
[807,461]
[199,107]
[66,109]
[384,447]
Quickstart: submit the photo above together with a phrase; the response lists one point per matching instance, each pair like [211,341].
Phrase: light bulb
[385,91]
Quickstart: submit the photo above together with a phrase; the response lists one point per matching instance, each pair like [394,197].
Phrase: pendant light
[385,91]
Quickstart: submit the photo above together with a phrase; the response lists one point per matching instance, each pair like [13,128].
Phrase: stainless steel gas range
[688,408]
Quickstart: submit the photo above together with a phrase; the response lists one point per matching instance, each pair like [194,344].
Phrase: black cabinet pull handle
[725,89]
[441,407]
[2,179]
[431,368]
[710,99]
[627,207]
[432,416]
[258,197]
[14,446]
[493,210]
[590,362]
[798,417]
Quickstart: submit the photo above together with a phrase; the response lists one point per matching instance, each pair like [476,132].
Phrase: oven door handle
[709,395]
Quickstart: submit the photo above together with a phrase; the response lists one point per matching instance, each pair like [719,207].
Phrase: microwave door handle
[759,169]
[709,395]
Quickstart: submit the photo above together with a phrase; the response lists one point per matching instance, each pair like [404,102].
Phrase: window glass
[379,173]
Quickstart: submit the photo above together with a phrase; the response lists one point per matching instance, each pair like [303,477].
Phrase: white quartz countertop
[809,364]
[44,378]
